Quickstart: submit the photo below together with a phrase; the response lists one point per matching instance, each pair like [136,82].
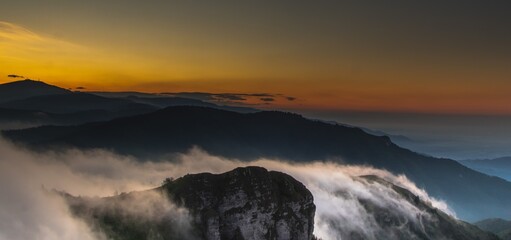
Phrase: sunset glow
[326,63]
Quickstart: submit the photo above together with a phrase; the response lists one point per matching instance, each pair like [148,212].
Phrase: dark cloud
[234,98]
[260,95]
[80,88]
[267,99]
[244,96]
[230,96]
[14,76]
[194,95]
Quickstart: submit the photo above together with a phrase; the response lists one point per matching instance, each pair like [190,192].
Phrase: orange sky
[332,61]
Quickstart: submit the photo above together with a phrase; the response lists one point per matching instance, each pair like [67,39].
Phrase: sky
[389,56]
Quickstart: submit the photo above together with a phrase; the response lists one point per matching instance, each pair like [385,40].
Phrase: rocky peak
[246,203]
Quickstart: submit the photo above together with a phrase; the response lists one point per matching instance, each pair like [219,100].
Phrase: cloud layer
[30,212]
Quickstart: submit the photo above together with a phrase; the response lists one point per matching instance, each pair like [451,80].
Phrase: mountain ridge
[30,103]
[27,88]
[498,226]
[499,167]
[286,136]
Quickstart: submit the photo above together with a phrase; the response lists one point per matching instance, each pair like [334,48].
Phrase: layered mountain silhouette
[16,118]
[37,103]
[280,135]
[500,167]
[163,100]
[77,102]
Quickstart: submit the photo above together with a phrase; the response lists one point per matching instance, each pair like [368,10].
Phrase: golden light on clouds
[316,80]
[21,46]
[60,62]
[40,57]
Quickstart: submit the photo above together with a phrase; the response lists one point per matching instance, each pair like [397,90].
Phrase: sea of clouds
[30,210]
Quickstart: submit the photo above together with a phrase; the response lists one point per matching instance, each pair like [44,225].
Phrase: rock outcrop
[246,203]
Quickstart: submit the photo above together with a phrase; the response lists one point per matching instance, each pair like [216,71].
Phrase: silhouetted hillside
[76,102]
[471,194]
[35,103]
[163,102]
[27,88]
[16,118]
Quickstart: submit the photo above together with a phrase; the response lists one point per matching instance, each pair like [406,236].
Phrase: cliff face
[246,203]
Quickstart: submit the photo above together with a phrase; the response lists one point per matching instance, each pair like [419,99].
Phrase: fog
[29,211]
[10,125]
[452,136]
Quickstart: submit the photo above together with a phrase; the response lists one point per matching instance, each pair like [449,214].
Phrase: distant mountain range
[498,226]
[34,103]
[499,167]
[286,136]
[78,102]
[148,126]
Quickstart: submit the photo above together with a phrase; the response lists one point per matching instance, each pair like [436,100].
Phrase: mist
[452,136]
[10,125]
[31,211]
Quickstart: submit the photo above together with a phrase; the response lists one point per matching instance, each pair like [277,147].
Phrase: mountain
[395,138]
[18,119]
[77,102]
[280,135]
[27,88]
[498,226]
[34,103]
[430,223]
[79,108]
[253,203]
[500,167]
[245,203]
[164,100]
